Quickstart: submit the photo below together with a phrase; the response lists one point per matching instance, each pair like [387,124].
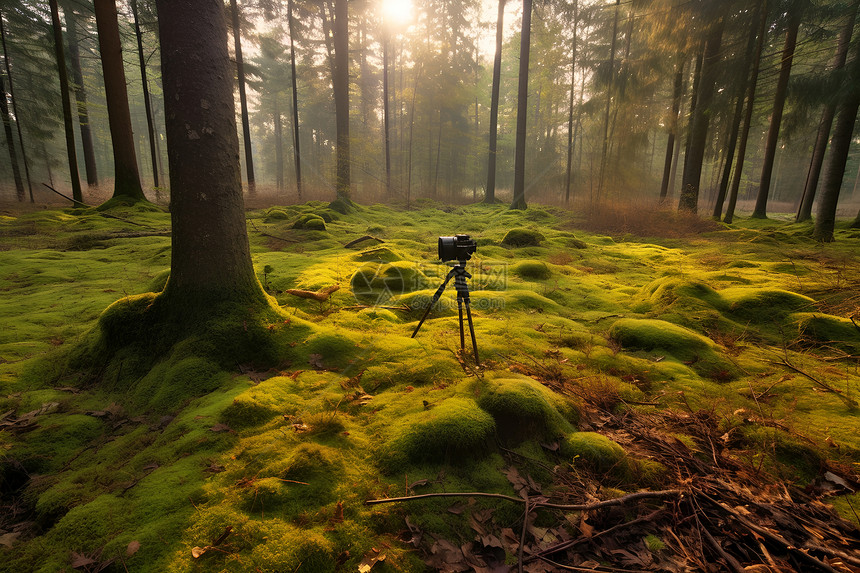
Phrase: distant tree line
[699,104]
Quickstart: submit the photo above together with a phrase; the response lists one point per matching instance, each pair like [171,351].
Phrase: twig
[523,533]
[75,201]
[362,239]
[272,236]
[321,295]
[849,401]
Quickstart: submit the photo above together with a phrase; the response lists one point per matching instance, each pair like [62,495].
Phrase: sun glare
[397,12]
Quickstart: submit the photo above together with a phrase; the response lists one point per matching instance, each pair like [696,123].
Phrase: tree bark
[760,211]
[243,99]
[8,69]
[840,144]
[340,83]
[279,144]
[490,195]
[77,194]
[385,120]
[677,92]
[293,81]
[519,200]
[126,177]
[736,121]
[81,98]
[745,130]
[10,141]
[605,150]
[146,103]
[701,119]
[210,257]
[804,212]
[568,176]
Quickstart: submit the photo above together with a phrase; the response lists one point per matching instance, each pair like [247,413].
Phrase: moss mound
[525,409]
[530,269]
[828,330]
[454,431]
[395,278]
[764,305]
[520,237]
[310,222]
[599,453]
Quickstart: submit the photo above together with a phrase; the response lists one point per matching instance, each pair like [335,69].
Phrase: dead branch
[321,295]
[75,201]
[850,402]
[361,240]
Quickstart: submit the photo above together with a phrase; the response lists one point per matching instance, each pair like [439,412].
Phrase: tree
[126,177]
[210,257]
[677,92]
[77,194]
[243,99]
[8,69]
[294,85]
[147,106]
[570,143]
[490,195]
[340,83]
[760,210]
[81,97]
[10,141]
[519,201]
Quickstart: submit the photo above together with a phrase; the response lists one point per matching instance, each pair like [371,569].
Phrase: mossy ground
[171,441]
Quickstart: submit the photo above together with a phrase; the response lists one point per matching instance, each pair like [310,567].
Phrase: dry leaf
[370,559]
[132,548]
[8,539]
[196,552]
[221,428]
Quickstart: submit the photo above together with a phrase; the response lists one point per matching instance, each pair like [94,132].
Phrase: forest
[430,285]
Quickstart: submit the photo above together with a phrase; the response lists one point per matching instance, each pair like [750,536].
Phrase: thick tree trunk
[210,259]
[490,195]
[840,144]
[736,122]
[8,69]
[340,83]
[243,99]
[804,212]
[126,177]
[296,147]
[760,211]
[700,121]
[147,106]
[677,92]
[81,98]
[519,201]
[745,129]
[77,194]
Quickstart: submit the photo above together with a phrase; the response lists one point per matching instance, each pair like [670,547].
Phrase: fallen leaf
[315,360]
[370,559]
[132,548]
[79,560]
[196,552]
[8,539]
[220,427]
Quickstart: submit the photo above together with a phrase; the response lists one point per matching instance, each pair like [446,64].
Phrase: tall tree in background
[386,123]
[243,99]
[210,256]
[10,141]
[296,140]
[700,122]
[490,195]
[604,155]
[340,83]
[7,67]
[570,140]
[519,200]
[81,96]
[804,211]
[126,176]
[77,193]
[794,16]
[677,93]
[147,106]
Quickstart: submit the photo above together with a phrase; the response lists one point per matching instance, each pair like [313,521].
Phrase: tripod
[458,272]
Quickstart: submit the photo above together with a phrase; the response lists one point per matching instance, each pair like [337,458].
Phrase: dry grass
[644,219]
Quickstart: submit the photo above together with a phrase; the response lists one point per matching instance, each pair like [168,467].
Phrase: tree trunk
[736,122]
[81,98]
[840,144]
[804,212]
[77,194]
[149,125]
[126,177]
[8,68]
[519,201]
[700,120]
[745,130]
[385,121]
[490,195]
[570,141]
[677,92]
[605,149]
[211,259]
[10,141]
[243,99]
[279,145]
[293,81]
[340,82]
[760,211]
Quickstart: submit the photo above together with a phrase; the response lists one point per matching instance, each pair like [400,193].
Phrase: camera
[457,248]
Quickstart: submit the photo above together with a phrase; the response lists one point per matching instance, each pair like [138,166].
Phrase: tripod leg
[462,335]
[471,331]
[436,296]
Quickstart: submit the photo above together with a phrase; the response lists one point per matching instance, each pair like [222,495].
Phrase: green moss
[827,330]
[455,430]
[764,305]
[311,222]
[520,237]
[596,451]
[525,409]
[532,270]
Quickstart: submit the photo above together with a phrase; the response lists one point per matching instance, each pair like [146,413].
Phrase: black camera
[457,248]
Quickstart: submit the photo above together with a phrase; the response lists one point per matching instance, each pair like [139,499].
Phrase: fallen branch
[75,201]
[849,401]
[361,240]
[321,295]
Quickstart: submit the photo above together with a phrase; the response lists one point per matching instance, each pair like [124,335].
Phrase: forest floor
[655,393]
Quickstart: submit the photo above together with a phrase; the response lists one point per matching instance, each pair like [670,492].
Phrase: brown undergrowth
[644,220]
